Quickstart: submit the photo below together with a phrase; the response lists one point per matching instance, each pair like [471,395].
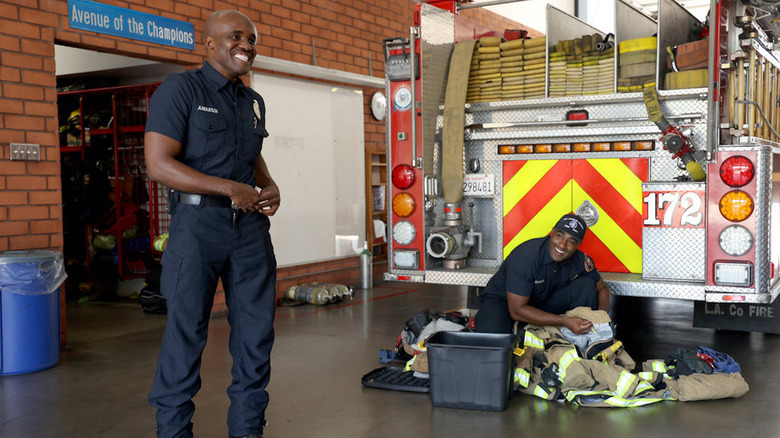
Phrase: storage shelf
[131,129]
[376,183]
[113,121]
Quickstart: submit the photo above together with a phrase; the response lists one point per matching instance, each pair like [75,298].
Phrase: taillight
[403,204]
[404,232]
[403,176]
[736,206]
[735,240]
[737,171]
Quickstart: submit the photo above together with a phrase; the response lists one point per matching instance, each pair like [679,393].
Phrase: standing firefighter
[540,280]
[204,136]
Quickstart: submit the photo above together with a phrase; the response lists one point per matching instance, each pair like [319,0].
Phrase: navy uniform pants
[493,315]
[206,244]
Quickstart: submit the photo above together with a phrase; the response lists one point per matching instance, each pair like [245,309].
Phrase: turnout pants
[207,244]
[493,315]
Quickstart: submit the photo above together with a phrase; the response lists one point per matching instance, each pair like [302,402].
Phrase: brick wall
[345,33]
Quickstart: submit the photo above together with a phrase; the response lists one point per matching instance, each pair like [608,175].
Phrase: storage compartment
[470,370]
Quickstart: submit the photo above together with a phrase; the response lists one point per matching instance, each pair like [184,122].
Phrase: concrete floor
[99,387]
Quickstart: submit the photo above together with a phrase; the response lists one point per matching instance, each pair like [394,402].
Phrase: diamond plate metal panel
[763,209]
[619,115]
[662,250]
[662,247]
[468,277]
[633,285]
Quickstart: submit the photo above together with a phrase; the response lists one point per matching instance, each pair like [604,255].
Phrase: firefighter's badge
[256,107]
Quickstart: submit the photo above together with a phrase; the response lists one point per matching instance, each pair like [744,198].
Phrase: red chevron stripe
[610,199]
[639,166]
[511,168]
[525,210]
[602,257]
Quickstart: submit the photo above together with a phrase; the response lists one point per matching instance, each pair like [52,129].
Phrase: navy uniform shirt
[529,271]
[220,124]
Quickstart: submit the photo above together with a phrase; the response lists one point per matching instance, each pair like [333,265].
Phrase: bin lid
[29,256]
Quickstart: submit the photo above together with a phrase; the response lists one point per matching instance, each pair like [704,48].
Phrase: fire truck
[675,182]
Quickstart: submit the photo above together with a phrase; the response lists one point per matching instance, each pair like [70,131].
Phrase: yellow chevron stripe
[608,231]
[544,220]
[620,176]
[524,180]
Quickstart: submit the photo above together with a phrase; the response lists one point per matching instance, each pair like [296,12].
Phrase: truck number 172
[673,209]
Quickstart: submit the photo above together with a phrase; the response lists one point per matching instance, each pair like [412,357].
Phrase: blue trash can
[30,310]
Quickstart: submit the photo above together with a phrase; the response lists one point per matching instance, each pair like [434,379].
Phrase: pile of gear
[594,369]
[589,370]
[410,344]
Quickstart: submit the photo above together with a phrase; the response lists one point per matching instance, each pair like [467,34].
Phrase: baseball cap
[572,224]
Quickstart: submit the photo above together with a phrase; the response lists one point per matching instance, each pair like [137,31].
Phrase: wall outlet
[25,151]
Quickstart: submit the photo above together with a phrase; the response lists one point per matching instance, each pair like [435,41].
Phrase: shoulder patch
[588,263]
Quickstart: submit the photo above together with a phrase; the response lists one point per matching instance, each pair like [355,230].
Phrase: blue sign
[112,20]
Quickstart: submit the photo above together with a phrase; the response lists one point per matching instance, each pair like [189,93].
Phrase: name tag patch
[208,109]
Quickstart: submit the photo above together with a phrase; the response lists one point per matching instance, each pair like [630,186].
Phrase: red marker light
[403,176]
[737,171]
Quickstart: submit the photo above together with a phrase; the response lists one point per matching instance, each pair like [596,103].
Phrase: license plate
[479,184]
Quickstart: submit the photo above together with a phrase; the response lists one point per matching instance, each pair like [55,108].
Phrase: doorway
[110,209]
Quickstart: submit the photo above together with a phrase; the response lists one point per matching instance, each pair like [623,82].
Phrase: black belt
[204,200]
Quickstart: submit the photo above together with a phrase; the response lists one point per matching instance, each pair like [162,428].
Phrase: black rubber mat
[396,379]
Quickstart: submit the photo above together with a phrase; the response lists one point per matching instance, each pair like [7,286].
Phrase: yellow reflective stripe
[618,174]
[571,395]
[643,386]
[540,392]
[610,233]
[632,403]
[615,400]
[539,226]
[567,359]
[524,180]
[522,377]
[624,383]
[409,363]
[533,341]
[647,375]
[659,366]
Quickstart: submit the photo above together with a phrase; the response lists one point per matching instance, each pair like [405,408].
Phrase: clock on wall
[378,105]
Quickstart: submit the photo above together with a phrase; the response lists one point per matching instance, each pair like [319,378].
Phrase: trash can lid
[35,255]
